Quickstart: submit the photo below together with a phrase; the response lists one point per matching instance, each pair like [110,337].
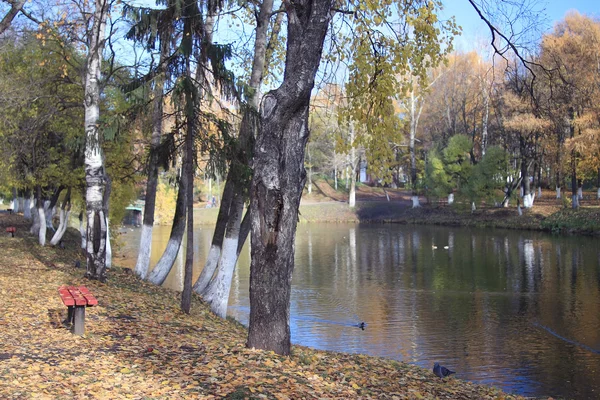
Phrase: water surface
[518,310]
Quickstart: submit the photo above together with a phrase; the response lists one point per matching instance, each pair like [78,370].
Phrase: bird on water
[441,371]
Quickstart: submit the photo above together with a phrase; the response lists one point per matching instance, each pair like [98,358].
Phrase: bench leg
[78,320]
[69,321]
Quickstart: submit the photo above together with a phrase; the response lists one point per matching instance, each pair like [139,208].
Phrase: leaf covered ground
[139,345]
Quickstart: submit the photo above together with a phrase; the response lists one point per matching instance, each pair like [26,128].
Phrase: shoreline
[138,344]
[549,216]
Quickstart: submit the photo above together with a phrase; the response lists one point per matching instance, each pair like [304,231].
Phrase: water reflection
[518,310]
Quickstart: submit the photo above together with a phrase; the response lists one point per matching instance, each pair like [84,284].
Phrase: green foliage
[457,159]
[487,177]
[437,180]
[41,131]
[454,171]
[388,57]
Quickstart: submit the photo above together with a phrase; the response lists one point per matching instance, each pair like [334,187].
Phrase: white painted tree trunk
[82,231]
[15,201]
[519,210]
[528,200]
[415,202]
[145,249]
[62,227]
[575,201]
[473,208]
[49,215]
[27,209]
[42,231]
[217,293]
[163,267]
[352,194]
[558,192]
[451,199]
[210,267]
[35,226]
[580,193]
[94,162]
[598,194]
[539,192]
[108,247]
[141,266]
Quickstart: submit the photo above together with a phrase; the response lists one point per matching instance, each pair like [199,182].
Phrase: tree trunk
[279,177]
[485,119]
[41,217]
[217,241]
[65,210]
[15,202]
[236,184]
[27,205]
[35,226]
[143,260]
[352,193]
[15,7]
[188,170]
[217,293]
[82,231]
[164,265]
[94,163]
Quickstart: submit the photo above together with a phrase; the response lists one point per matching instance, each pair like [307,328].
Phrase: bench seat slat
[66,297]
[77,296]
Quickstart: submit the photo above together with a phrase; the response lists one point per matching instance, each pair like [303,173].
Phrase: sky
[476,32]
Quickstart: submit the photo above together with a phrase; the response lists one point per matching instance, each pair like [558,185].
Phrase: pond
[517,310]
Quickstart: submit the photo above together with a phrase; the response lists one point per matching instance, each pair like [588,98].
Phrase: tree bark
[188,170]
[279,177]
[15,202]
[143,260]
[94,163]
[41,232]
[65,210]
[217,241]
[16,6]
[237,184]
[28,205]
[164,265]
[217,292]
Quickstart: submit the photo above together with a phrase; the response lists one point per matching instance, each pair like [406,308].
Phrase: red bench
[11,230]
[76,299]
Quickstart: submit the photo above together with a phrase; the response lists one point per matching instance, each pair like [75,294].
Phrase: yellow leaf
[125,370]
[355,386]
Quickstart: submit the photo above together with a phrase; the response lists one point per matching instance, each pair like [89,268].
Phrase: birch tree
[94,163]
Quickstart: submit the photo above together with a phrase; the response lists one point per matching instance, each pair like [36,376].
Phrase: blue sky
[474,30]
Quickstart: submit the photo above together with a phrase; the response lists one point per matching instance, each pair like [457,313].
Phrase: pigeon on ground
[441,371]
[362,325]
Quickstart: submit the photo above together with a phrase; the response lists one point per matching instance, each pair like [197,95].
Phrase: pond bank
[139,345]
[547,215]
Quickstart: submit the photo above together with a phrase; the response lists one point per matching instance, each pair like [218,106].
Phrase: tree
[279,174]
[570,53]
[231,230]
[95,175]
[279,177]
[15,7]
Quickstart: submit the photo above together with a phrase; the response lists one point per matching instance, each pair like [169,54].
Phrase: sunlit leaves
[394,45]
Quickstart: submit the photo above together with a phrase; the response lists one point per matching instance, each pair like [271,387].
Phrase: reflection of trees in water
[471,305]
